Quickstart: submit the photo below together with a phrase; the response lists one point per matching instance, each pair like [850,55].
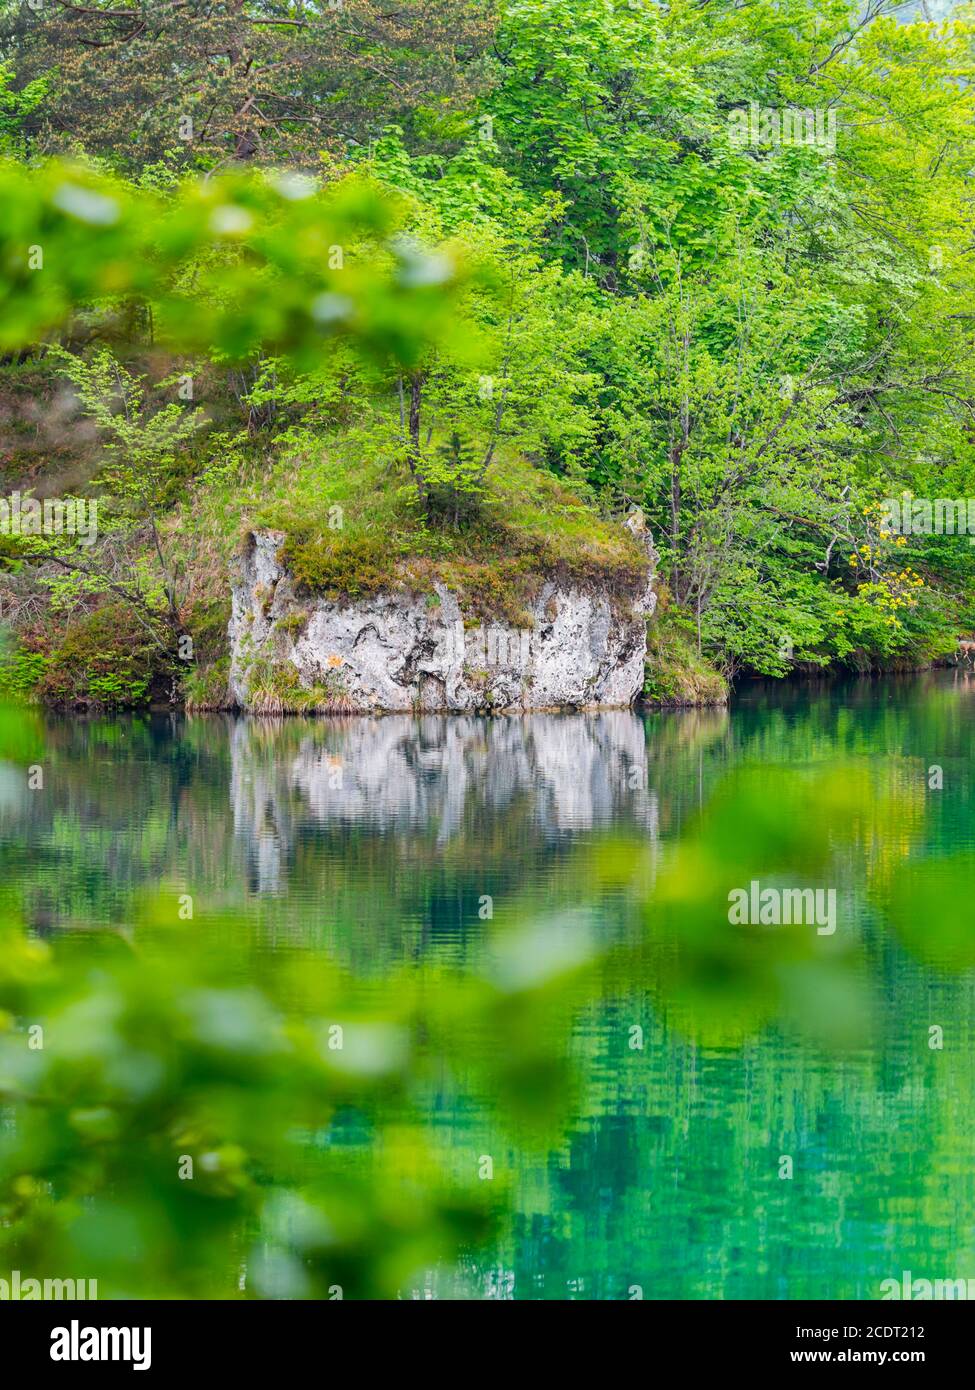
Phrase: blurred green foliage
[232,265]
[158,1052]
[317,1167]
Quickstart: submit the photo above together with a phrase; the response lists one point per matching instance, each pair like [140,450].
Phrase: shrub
[107,658]
[675,673]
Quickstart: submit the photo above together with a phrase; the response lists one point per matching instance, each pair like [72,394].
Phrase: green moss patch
[530,528]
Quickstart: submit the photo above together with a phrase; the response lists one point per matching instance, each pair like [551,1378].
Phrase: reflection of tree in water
[127,802]
[360,829]
[654,1167]
[668,1178]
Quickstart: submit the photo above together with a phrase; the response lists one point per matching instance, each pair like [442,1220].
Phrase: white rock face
[398,650]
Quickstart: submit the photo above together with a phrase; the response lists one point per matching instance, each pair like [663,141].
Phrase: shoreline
[737,695]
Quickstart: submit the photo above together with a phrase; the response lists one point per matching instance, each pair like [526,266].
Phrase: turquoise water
[664,1166]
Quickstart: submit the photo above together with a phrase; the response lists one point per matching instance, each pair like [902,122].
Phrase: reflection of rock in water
[438,774]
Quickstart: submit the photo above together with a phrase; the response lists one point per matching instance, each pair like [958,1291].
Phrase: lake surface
[770,1115]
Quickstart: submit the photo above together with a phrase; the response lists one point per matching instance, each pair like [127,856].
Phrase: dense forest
[666,305]
[453,287]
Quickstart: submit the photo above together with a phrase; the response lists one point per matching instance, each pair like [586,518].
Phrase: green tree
[198,84]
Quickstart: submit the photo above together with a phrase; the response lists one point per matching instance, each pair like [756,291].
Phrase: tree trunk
[414,453]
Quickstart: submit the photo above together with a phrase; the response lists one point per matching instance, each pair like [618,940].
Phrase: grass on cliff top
[354,529]
[676,674]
